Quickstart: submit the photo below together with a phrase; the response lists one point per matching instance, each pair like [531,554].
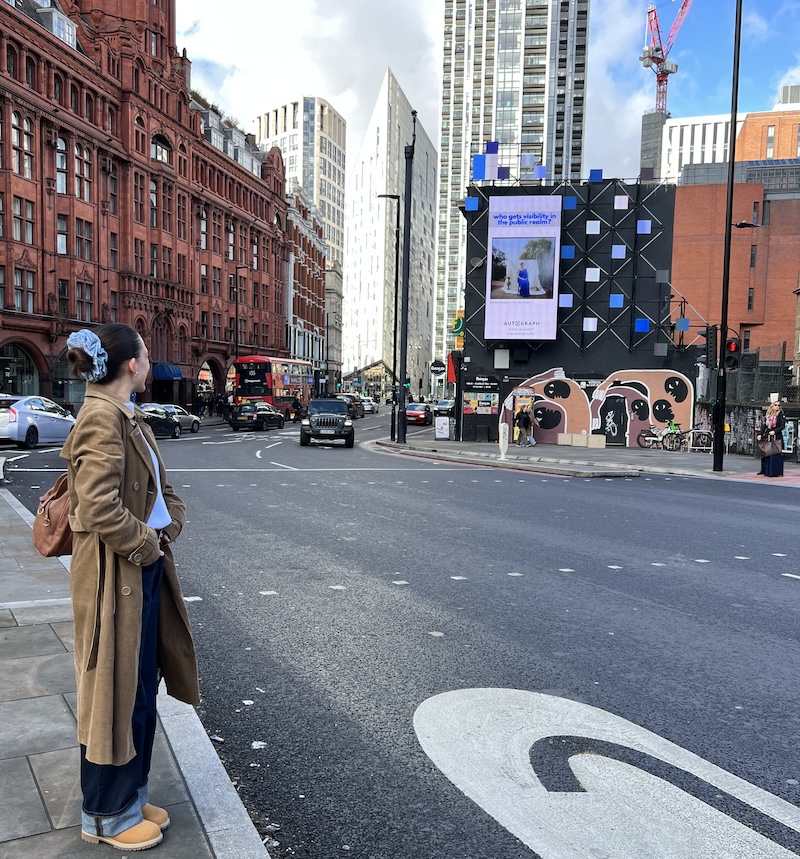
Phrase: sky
[248,57]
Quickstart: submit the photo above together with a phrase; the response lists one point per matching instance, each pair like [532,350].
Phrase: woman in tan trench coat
[131,625]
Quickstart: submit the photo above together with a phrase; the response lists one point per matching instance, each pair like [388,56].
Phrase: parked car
[187,420]
[255,416]
[354,404]
[328,419]
[419,413]
[370,405]
[445,408]
[160,420]
[28,421]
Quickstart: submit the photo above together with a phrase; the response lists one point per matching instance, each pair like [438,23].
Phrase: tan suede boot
[156,814]
[140,837]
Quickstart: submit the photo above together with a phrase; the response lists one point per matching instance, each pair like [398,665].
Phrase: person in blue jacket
[523,282]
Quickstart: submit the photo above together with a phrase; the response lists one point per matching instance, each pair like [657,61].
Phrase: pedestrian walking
[770,440]
[522,421]
[131,624]
[534,424]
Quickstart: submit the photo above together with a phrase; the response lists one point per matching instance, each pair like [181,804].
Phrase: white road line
[790,575]
[287,467]
[275,444]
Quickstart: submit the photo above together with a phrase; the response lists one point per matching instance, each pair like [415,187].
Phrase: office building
[311,136]
[514,73]
[370,258]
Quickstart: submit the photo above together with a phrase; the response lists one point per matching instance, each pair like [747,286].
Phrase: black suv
[327,420]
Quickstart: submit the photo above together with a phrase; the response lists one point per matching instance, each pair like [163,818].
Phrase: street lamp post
[718,415]
[396,198]
[236,294]
[409,157]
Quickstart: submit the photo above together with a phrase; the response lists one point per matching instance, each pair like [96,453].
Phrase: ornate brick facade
[118,203]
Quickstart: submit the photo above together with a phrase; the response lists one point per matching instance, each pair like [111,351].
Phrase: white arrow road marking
[512,752]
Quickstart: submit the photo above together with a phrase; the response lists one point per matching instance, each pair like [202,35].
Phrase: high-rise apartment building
[311,136]
[369,270]
[514,73]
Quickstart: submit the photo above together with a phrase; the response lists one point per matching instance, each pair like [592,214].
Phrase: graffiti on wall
[624,403]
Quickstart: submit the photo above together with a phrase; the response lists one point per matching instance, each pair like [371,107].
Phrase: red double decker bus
[276,381]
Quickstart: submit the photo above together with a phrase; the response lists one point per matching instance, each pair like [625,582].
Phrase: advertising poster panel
[522,274]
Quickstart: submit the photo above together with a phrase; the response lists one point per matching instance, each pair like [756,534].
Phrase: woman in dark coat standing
[130,619]
[774,423]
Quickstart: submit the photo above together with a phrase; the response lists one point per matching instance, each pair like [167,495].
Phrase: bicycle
[691,439]
[656,439]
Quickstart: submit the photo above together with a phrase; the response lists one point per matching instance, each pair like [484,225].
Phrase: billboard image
[522,275]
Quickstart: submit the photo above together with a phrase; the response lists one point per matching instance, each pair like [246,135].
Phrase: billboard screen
[522,272]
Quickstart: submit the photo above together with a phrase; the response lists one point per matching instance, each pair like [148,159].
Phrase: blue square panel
[567,251]
[478,167]
[492,147]
[471,204]
[645,227]
[540,172]
[595,175]
[681,324]
[570,203]
[618,251]
[642,326]
[616,300]
[503,173]
[565,299]
[527,159]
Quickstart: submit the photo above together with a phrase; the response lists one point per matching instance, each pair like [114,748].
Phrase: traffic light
[408,382]
[710,357]
[733,353]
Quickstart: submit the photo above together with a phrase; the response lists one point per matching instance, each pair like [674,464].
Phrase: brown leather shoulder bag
[52,535]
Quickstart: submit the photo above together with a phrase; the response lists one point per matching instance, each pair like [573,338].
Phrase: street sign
[437,368]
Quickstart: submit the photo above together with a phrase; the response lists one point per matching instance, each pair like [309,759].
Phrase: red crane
[655,54]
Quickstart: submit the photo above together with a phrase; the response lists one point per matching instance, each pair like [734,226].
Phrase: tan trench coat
[112,490]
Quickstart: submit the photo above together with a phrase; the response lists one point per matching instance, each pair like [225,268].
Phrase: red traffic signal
[733,353]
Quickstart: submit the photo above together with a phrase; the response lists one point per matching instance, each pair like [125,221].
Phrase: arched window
[160,149]
[61,165]
[11,61]
[111,122]
[30,72]
[22,144]
[73,98]
[181,344]
[58,90]
[83,172]
[89,108]
[139,140]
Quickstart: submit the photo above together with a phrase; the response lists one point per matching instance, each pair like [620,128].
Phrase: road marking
[570,780]
[287,467]
[790,575]
[258,454]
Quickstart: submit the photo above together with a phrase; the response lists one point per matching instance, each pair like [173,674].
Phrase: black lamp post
[718,414]
[396,198]
[236,286]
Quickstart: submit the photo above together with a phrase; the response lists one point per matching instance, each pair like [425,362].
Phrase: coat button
[137,559]
[136,486]
[126,591]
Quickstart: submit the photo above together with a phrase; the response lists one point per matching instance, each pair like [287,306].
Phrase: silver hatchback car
[28,421]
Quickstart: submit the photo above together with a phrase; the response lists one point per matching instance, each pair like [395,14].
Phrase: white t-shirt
[160,517]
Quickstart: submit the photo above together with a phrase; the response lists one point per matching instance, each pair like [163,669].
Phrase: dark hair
[121,343]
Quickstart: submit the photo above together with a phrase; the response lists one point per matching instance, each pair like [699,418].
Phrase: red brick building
[765,259]
[123,199]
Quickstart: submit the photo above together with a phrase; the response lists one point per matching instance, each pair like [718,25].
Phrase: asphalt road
[351,607]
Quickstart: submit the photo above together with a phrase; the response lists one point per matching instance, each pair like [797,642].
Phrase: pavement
[39,774]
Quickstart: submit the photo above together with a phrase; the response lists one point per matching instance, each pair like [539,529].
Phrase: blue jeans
[113,796]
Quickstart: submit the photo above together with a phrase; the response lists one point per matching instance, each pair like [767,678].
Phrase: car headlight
[305,422]
[348,422]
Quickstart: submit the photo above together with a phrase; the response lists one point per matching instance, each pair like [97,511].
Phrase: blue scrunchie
[91,345]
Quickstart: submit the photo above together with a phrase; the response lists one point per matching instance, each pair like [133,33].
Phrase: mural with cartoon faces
[621,405]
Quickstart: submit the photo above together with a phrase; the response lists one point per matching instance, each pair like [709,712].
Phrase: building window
[166,207]
[216,233]
[83,301]
[166,263]
[181,216]
[113,194]
[160,150]
[255,295]
[153,203]
[11,62]
[182,269]
[24,290]
[30,72]
[83,173]
[2,286]
[204,324]
[203,278]
[89,108]
[765,213]
[154,44]
[746,341]
[2,232]
[73,98]
[63,297]
[111,121]
[755,212]
[770,153]
[216,326]
[58,90]
[216,281]
[61,165]
[114,305]
[61,234]
[753,256]
[153,260]
[138,256]
[750,298]
[139,137]
[138,197]
[113,256]
[22,145]
[83,239]
[231,241]
[23,220]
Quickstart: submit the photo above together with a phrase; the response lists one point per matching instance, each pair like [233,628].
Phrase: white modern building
[514,73]
[370,257]
[311,135]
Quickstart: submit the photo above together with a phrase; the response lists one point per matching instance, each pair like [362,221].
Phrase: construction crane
[654,55]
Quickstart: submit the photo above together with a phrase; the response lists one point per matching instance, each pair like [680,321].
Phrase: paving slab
[20,641]
[23,812]
[35,676]
[36,725]
[56,611]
